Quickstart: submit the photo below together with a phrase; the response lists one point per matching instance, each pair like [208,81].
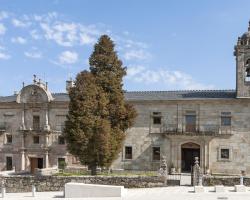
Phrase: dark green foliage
[98,114]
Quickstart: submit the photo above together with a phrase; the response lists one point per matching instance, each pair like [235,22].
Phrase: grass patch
[123,173]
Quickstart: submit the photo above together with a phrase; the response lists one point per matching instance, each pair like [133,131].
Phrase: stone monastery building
[211,124]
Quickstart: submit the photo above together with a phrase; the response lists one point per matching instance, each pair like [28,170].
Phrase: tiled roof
[154,95]
[178,95]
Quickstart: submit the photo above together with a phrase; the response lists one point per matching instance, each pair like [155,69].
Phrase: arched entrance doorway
[188,152]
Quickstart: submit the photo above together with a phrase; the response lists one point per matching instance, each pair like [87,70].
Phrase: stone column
[163,171]
[22,161]
[196,174]
[206,170]
[46,126]
[23,119]
[46,159]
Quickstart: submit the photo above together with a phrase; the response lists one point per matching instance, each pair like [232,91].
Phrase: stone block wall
[224,180]
[56,183]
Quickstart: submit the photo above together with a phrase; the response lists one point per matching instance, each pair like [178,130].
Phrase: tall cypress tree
[109,72]
[98,114]
[87,130]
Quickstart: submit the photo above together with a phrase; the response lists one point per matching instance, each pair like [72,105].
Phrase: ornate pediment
[34,94]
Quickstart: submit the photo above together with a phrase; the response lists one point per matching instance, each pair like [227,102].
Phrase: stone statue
[163,171]
[196,174]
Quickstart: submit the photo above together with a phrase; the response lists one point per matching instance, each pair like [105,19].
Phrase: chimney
[69,84]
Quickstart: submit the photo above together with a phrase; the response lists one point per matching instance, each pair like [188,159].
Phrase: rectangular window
[156,153]
[224,153]
[2,126]
[61,163]
[61,140]
[36,139]
[36,122]
[190,123]
[157,118]
[128,152]
[9,163]
[225,121]
[8,139]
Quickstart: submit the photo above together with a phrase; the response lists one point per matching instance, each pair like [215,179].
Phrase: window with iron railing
[226,118]
[8,139]
[156,118]
[156,153]
[36,122]
[61,140]
[190,122]
[36,139]
[128,152]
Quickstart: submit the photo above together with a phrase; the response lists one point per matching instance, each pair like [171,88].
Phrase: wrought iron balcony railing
[203,129]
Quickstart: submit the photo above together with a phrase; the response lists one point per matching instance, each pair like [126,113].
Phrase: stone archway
[189,150]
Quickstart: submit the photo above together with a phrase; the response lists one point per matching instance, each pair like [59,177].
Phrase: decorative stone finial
[196,162]
[34,79]
[23,84]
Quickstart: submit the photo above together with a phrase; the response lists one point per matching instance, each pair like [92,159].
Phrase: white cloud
[4,56]
[64,34]
[68,57]
[19,40]
[2,29]
[33,54]
[70,34]
[87,39]
[132,71]
[137,55]
[21,24]
[175,79]
[35,35]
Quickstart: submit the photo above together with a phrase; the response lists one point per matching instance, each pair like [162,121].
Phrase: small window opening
[247,73]
[128,152]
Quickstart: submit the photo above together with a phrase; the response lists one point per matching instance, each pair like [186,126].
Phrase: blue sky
[166,45]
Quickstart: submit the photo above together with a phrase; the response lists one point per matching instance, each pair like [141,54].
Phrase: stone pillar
[46,126]
[163,171]
[47,159]
[22,161]
[206,158]
[23,120]
[46,140]
[196,173]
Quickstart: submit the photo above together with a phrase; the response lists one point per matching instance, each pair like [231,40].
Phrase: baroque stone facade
[179,125]
[213,125]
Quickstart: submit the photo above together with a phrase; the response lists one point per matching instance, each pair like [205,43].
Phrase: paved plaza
[167,193]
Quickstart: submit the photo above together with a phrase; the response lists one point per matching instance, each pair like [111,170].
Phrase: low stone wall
[56,183]
[224,180]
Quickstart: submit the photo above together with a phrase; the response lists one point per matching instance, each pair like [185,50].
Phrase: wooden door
[33,165]
[187,157]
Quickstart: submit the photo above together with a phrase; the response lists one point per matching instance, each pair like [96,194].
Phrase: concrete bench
[240,188]
[219,188]
[77,190]
[198,189]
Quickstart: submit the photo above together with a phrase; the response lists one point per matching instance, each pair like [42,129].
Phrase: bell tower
[242,53]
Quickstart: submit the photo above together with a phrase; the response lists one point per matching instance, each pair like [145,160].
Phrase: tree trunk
[93,169]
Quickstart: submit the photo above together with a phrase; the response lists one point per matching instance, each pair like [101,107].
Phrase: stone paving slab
[171,193]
